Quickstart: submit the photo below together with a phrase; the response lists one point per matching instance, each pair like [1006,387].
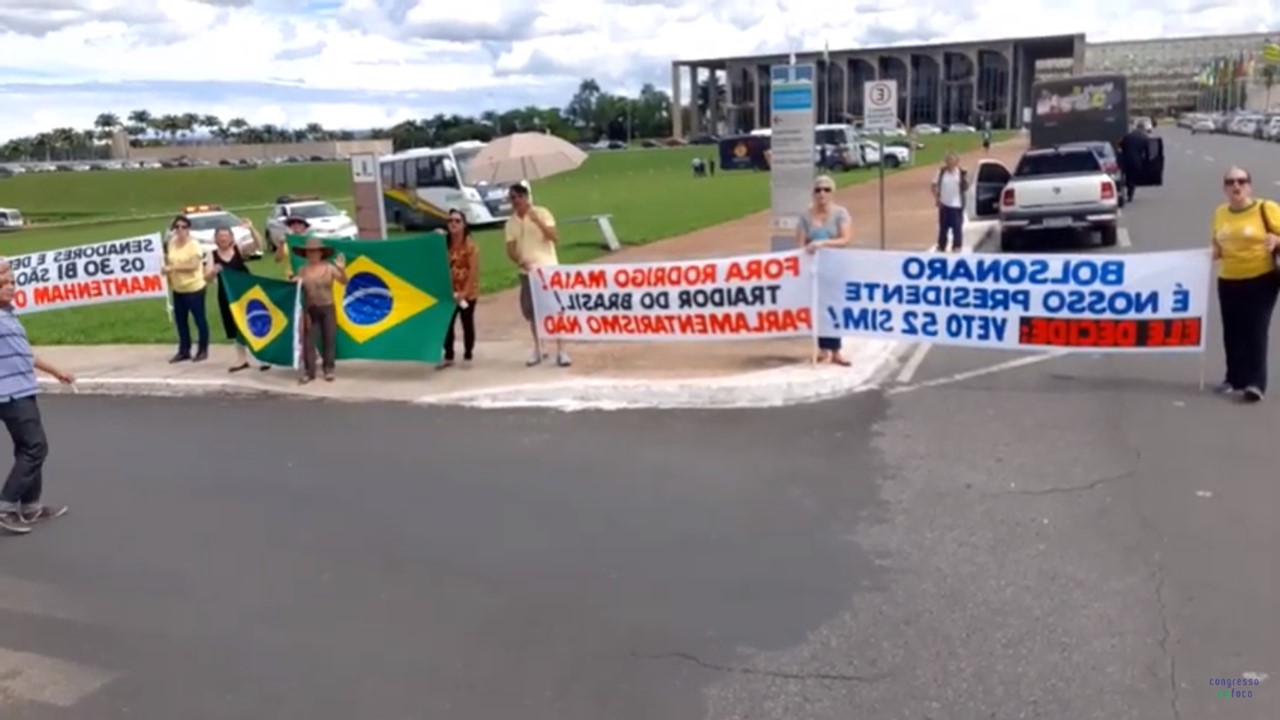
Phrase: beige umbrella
[523,156]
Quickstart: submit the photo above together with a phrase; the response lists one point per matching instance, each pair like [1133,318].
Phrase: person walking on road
[317,277]
[227,255]
[185,266]
[949,189]
[20,499]
[1245,244]
[825,225]
[464,267]
[1133,155]
[986,138]
[532,236]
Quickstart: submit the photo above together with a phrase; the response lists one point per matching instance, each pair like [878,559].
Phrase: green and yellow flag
[1271,52]
[398,299]
[266,315]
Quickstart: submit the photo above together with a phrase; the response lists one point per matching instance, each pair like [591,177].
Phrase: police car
[326,221]
[206,219]
[10,220]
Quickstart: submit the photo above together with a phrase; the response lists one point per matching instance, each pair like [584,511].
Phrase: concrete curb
[792,385]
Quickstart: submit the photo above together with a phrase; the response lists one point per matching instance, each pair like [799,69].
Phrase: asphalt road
[1087,537]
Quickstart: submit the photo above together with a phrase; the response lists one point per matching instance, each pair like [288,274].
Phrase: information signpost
[880,115]
[366,189]
[791,150]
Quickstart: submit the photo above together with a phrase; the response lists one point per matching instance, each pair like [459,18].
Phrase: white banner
[1148,302]
[741,298]
[104,272]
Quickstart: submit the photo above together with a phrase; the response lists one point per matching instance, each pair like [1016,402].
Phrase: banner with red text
[105,272]
[749,297]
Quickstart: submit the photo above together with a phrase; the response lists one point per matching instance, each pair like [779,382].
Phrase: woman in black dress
[227,255]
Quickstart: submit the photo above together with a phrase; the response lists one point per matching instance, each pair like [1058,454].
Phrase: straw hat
[314,243]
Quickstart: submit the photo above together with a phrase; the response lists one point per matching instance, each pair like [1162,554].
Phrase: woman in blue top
[825,225]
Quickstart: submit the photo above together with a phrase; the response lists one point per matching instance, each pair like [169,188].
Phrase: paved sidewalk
[759,373]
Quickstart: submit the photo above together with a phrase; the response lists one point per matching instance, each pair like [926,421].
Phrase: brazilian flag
[266,312]
[398,299]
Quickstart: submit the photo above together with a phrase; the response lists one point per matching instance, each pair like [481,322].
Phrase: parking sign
[880,105]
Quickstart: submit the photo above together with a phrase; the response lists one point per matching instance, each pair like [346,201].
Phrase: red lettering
[579,280]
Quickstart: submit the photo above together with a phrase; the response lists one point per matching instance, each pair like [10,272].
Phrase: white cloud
[363,62]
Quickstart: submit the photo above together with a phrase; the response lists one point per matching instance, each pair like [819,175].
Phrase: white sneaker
[563,359]
[535,358]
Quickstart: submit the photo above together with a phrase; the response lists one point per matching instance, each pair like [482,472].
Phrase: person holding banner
[317,277]
[184,264]
[464,267]
[227,255]
[1246,240]
[825,225]
[531,236]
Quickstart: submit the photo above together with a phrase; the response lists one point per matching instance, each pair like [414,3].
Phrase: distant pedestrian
[825,225]
[464,268]
[1245,242]
[317,277]
[532,236]
[20,499]
[949,189]
[986,137]
[1134,148]
[184,265]
[228,255]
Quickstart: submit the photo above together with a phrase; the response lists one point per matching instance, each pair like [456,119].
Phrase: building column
[695,117]
[906,93]
[940,60]
[677,105]
[1011,99]
[756,115]
[1078,56]
[713,102]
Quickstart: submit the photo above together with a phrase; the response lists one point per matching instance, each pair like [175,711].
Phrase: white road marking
[969,375]
[1191,152]
[31,678]
[31,598]
[913,363]
[1122,238]
[1209,158]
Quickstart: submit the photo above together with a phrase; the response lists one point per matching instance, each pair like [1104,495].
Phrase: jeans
[829,343]
[1246,307]
[468,317]
[321,324]
[30,447]
[950,220]
[190,305]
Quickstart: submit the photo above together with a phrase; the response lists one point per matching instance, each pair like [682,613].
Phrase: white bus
[420,186]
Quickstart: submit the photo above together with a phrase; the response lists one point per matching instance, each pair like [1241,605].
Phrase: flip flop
[238,368]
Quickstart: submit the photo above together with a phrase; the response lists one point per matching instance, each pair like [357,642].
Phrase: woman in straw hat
[318,276]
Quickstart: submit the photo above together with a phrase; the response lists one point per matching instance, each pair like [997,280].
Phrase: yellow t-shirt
[1242,235]
[187,281]
[527,236]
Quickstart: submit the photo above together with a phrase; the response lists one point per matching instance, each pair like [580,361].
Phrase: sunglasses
[822,190]
[1235,182]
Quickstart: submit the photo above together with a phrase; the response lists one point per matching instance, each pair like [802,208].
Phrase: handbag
[1266,224]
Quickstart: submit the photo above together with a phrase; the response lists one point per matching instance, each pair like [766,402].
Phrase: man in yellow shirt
[531,243]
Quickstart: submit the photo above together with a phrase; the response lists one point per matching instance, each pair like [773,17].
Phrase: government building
[950,83]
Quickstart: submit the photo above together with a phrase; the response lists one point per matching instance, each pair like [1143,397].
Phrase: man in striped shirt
[20,506]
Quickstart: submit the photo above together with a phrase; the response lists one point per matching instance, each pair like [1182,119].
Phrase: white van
[10,220]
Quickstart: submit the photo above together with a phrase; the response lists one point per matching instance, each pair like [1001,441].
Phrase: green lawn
[650,194]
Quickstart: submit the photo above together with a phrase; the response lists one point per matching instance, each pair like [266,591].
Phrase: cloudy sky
[364,63]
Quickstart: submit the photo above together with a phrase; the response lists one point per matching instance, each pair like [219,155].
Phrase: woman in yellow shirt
[1245,243]
[184,264]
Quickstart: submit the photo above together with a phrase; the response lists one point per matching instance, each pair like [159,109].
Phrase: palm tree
[236,127]
[106,124]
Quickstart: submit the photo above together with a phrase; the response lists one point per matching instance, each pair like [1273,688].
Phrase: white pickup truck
[1053,189]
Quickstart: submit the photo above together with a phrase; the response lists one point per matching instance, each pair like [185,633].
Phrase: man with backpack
[949,190]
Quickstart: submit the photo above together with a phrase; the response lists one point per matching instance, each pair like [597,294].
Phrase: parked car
[1106,154]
